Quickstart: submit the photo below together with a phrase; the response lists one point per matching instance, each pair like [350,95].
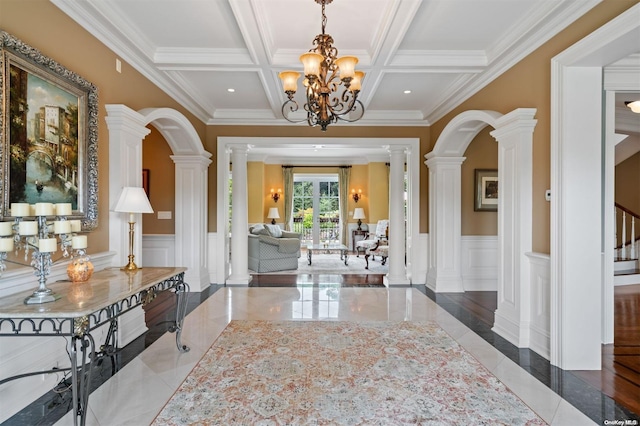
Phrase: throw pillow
[257,229]
[274,230]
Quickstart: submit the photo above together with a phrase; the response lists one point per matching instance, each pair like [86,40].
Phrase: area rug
[322,263]
[341,373]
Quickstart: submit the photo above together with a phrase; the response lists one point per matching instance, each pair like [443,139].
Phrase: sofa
[271,249]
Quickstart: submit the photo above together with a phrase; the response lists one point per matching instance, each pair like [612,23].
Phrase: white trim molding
[479,263]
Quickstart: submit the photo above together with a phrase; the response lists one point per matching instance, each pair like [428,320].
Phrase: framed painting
[486,193]
[48,133]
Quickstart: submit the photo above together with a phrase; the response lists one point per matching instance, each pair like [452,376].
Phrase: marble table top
[105,288]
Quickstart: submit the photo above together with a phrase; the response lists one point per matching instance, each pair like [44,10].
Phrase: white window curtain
[287,174]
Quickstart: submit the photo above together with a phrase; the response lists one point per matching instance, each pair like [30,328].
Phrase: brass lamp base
[131,266]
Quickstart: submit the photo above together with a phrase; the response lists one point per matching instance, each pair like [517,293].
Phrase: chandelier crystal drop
[331,84]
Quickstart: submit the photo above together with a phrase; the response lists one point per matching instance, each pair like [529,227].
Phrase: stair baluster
[632,254]
[623,247]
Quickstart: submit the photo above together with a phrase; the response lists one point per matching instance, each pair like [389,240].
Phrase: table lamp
[273,215]
[358,213]
[132,200]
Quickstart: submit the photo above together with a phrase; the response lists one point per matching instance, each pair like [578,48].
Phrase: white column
[514,133]
[397,230]
[126,132]
[445,229]
[191,218]
[240,219]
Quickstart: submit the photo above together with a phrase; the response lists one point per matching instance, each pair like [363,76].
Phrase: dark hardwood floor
[620,374]
[290,280]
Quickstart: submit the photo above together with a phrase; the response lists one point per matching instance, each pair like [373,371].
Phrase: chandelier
[332,84]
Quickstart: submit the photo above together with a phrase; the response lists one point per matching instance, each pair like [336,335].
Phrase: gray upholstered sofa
[272,249]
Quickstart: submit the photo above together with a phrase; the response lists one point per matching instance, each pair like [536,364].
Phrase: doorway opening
[316,207]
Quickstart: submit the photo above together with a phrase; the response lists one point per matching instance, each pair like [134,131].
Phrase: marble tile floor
[150,376]
[140,389]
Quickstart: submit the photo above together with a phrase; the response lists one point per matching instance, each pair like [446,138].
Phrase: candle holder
[38,238]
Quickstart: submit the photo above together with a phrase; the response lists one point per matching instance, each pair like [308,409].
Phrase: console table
[83,307]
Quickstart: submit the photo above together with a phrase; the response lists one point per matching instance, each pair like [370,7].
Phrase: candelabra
[39,237]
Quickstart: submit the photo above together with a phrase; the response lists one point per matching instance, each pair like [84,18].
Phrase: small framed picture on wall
[486,194]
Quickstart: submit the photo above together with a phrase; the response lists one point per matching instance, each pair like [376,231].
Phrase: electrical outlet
[118,65]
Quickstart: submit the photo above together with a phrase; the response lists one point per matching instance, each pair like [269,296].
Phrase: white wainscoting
[20,355]
[479,263]
[158,250]
[540,322]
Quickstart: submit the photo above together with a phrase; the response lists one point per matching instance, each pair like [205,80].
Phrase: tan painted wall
[43,26]
[628,184]
[627,194]
[482,153]
[162,183]
[528,85]
[379,192]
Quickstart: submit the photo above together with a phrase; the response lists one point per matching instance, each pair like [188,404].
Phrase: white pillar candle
[20,209]
[76,225]
[6,228]
[61,227]
[44,209]
[6,244]
[28,228]
[47,245]
[79,242]
[63,209]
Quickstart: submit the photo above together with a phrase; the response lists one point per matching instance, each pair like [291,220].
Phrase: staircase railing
[628,248]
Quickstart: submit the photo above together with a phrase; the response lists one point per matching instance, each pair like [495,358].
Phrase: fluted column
[397,270]
[239,219]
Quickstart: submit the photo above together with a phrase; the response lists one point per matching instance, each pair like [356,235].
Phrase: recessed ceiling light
[318,146]
[406,92]
[231,90]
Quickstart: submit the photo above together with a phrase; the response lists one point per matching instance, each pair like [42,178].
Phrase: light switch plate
[164,215]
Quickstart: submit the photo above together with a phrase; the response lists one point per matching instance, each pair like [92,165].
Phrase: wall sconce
[356,195]
[276,194]
[634,106]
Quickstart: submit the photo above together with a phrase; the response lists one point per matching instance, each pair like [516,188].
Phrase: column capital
[433,162]
[197,160]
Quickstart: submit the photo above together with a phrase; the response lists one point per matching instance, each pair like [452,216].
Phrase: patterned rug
[341,373]
[331,264]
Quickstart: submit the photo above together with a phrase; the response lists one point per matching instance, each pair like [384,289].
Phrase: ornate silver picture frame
[48,133]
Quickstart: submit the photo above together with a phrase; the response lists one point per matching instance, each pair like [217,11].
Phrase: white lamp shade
[133,200]
[358,213]
[273,213]
[635,106]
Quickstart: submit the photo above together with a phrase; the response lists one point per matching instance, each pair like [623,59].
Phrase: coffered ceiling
[442,51]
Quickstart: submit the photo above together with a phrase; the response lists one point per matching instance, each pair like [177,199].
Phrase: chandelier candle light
[332,84]
[41,238]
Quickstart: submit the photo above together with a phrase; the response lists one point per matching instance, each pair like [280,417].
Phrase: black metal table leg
[181,311]
[81,376]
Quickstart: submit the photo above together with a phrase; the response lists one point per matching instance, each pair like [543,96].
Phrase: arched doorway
[127,129]
[514,134]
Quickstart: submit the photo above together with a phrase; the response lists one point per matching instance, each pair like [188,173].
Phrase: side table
[357,235]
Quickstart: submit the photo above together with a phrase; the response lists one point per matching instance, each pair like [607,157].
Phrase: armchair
[373,241]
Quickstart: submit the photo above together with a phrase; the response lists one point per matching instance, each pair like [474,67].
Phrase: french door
[316,207]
